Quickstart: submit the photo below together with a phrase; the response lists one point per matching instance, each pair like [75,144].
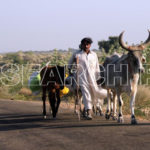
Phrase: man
[88,74]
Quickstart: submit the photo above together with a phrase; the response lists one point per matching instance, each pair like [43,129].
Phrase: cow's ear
[143,59]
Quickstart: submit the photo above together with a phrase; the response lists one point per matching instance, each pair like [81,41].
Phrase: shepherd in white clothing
[88,74]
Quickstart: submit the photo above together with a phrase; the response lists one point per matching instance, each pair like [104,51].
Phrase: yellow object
[66,75]
[65,90]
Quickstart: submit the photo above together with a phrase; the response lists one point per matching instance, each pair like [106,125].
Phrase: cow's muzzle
[141,70]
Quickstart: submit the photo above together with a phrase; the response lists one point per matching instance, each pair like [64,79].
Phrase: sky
[61,24]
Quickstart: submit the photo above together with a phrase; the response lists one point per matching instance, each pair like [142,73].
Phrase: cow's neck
[131,69]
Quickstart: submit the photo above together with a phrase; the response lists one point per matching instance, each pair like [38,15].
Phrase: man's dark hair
[85,41]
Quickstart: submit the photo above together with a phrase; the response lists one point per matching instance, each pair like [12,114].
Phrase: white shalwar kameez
[88,74]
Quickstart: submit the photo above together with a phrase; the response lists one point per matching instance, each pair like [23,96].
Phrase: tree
[110,45]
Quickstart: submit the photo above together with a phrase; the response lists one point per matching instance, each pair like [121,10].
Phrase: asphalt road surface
[23,128]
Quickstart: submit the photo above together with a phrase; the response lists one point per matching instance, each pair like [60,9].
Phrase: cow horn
[123,45]
[133,48]
[147,42]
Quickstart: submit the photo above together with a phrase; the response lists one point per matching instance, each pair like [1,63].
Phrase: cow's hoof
[133,121]
[120,120]
[114,118]
[44,117]
[111,114]
[101,114]
[54,118]
[107,116]
[89,117]
[76,112]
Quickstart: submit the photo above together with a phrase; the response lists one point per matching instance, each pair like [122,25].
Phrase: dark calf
[52,80]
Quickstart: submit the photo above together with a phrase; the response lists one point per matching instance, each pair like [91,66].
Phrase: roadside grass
[142,102]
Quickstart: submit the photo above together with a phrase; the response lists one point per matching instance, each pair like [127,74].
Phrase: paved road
[23,128]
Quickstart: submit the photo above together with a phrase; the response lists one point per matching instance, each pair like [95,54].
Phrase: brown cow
[52,80]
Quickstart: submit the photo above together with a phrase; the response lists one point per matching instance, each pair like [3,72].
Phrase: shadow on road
[20,122]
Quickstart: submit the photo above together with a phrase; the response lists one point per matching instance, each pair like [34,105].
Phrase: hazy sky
[49,24]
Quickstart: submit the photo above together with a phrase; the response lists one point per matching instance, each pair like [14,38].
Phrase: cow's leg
[44,101]
[133,94]
[94,109]
[77,102]
[115,106]
[58,100]
[111,104]
[75,106]
[52,101]
[107,115]
[101,111]
[99,107]
[120,117]
[82,110]
[77,109]
[132,104]
[84,113]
